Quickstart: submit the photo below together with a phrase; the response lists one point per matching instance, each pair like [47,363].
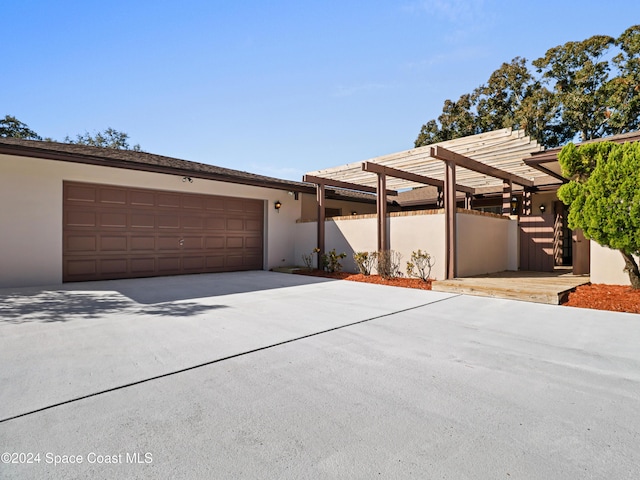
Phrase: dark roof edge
[72,157]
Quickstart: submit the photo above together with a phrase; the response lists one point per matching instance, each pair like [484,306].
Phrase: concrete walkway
[551,288]
[266,375]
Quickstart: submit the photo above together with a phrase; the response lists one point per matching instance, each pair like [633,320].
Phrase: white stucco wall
[486,244]
[607,266]
[31,213]
[407,233]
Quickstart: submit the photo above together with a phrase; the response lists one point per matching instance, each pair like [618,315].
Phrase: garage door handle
[181,242]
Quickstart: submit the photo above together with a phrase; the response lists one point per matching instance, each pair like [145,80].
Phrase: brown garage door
[120,232]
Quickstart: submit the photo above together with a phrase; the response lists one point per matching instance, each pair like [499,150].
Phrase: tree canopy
[604,196]
[12,127]
[110,138]
[589,88]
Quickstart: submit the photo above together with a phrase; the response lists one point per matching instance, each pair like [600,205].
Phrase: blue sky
[277,88]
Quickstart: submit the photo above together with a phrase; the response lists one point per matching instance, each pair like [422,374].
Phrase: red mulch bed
[616,298]
[377,279]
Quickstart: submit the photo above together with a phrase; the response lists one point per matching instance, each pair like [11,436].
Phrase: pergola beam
[328,182]
[470,164]
[412,177]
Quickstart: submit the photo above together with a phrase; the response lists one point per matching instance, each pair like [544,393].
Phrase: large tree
[579,74]
[110,138]
[12,127]
[580,88]
[604,196]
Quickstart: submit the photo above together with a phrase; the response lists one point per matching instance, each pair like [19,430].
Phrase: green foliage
[577,88]
[12,127]
[110,138]
[308,259]
[604,195]
[331,261]
[365,261]
[388,263]
[420,265]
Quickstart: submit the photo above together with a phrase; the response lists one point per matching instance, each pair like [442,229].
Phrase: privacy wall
[487,243]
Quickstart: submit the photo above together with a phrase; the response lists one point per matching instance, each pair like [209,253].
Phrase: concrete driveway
[267,375]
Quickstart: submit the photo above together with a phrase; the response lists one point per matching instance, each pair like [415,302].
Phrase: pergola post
[321,217]
[382,212]
[507,190]
[450,211]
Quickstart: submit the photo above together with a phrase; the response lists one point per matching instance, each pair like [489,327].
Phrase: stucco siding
[407,233]
[485,244]
[31,213]
[607,266]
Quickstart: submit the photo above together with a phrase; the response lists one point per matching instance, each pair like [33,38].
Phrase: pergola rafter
[488,160]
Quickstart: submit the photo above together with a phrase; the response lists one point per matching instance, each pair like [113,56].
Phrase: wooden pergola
[493,160]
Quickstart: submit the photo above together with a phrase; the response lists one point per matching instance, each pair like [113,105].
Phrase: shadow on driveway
[159,296]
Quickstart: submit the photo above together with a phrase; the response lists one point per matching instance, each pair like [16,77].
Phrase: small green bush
[331,261]
[365,261]
[420,265]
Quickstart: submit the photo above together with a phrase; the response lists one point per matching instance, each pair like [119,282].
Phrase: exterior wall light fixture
[514,205]
[542,208]
[278,205]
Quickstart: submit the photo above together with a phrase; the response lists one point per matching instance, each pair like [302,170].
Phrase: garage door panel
[192,223]
[235,224]
[79,193]
[214,243]
[253,242]
[143,265]
[113,220]
[193,202]
[168,221]
[113,196]
[235,242]
[255,208]
[141,220]
[143,243]
[234,261]
[79,218]
[142,198]
[81,267]
[253,225]
[120,232]
[215,223]
[193,263]
[113,243]
[169,243]
[214,203]
[81,243]
[234,205]
[113,266]
[215,261]
[168,200]
[167,265]
[192,243]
